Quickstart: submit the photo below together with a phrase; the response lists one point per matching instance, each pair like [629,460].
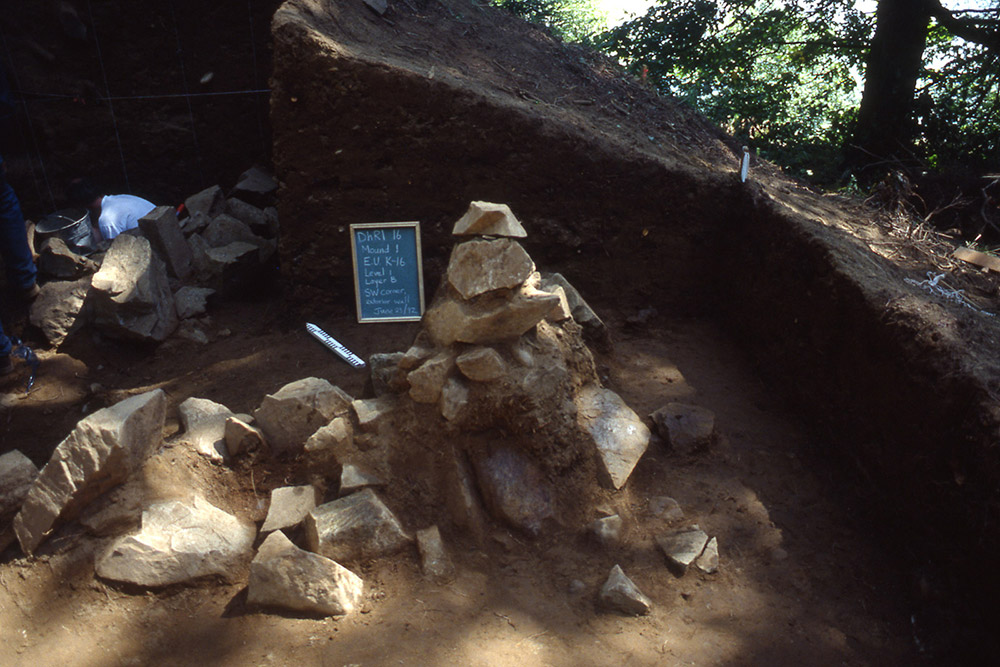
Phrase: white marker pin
[745,165]
[332,343]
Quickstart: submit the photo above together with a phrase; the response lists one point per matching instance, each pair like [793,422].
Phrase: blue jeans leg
[5,344]
[14,248]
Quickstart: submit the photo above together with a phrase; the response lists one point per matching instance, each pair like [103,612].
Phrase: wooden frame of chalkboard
[388,271]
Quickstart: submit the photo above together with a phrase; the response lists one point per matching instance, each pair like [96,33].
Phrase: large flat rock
[485,321]
[618,434]
[179,542]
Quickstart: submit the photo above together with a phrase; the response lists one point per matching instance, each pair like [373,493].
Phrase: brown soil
[837,507]
[801,580]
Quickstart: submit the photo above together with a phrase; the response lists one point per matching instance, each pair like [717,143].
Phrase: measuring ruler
[332,343]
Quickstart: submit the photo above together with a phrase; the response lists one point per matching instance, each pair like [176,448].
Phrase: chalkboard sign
[388,276]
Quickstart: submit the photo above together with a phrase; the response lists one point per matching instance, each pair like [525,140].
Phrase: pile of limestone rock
[154,281]
[495,415]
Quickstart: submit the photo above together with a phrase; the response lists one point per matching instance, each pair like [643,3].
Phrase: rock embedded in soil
[666,508]
[427,380]
[102,451]
[242,437]
[682,547]
[621,594]
[179,542]
[192,301]
[489,219]
[204,424]
[250,215]
[225,229]
[293,413]
[161,229]
[708,561]
[210,202]
[256,186]
[335,440]
[686,428]
[434,560]
[131,293]
[229,267]
[387,377]
[618,434]
[353,478]
[514,490]
[481,364]
[289,506]
[482,265]
[58,310]
[17,474]
[608,530]
[372,411]
[284,576]
[353,528]
[454,399]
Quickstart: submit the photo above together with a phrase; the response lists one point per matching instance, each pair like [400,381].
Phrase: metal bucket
[72,225]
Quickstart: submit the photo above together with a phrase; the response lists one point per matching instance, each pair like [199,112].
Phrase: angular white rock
[434,560]
[454,398]
[427,381]
[481,266]
[620,593]
[618,434]
[355,527]
[371,411]
[242,437]
[490,219]
[289,506]
[354,479]
[179,542]
[708,561]
[682,547]
[204,423]
[100,453]
[293,413]
[282,575]
[481,364]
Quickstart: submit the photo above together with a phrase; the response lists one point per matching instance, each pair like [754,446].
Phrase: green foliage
[778,75]
[957,107]
[573,20]
[784,76]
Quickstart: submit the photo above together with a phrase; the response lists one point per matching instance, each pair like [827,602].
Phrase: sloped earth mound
[850,493]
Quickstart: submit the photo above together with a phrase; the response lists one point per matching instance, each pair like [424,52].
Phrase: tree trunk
[884,131]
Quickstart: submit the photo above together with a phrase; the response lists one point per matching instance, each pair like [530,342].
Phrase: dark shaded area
[112,90]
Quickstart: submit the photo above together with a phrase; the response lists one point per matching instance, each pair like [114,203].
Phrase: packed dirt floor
[803,578]
[809,570]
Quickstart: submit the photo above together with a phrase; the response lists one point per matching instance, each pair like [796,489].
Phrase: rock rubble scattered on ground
[501,350]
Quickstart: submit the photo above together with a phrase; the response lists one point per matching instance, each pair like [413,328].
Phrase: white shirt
[121,212]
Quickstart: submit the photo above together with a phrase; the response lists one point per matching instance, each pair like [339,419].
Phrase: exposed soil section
[854,484]
[801,581]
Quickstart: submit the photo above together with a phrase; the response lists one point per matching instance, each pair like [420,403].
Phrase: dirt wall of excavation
[395,120]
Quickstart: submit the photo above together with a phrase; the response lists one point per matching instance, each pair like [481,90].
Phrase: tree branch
[967,29]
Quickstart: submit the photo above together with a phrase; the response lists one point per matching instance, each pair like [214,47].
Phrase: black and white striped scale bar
[332,343]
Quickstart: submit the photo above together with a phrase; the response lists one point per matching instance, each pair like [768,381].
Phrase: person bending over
[111,214]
